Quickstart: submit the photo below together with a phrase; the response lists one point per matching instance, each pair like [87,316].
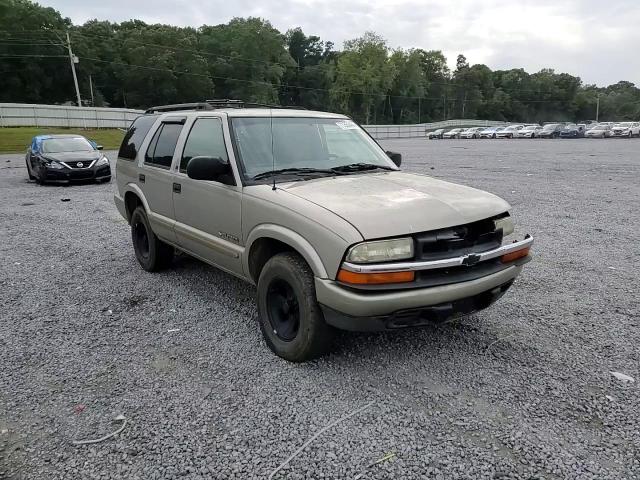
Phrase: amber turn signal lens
[510,257]
[375,278]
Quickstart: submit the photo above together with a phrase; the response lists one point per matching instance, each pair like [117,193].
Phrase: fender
[132,187]
[295,240]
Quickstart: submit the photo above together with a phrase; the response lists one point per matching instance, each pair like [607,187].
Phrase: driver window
[205,139]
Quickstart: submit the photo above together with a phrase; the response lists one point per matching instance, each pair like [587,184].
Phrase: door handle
[141,177]
[177,188]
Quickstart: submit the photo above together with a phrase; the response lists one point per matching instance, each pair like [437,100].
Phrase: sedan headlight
[54,166]
[102,161]
[381,251]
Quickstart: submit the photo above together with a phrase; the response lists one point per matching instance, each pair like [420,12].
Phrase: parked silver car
[313,211]
[453,133]
[601,130]
[436,134]
[473,132]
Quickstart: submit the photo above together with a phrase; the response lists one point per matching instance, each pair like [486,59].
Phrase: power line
[265,83]
[31,56]
[266,62]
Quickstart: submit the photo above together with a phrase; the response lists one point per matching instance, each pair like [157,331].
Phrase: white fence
[33,115]
[381,132]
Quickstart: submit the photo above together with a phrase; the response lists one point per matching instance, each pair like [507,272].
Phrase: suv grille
[476,237]
[473,237]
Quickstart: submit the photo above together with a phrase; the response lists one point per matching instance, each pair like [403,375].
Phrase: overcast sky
[597,40]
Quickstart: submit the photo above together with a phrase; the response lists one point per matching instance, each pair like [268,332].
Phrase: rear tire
[290,318]
[151,252]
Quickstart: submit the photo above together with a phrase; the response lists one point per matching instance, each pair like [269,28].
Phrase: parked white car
[626,129]
[529,131]
[490,132]
[455,133]
[509,132]
[473,132]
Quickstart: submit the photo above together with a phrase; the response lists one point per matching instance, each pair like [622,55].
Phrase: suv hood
[397,203]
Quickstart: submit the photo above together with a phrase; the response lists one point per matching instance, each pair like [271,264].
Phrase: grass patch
[17,139]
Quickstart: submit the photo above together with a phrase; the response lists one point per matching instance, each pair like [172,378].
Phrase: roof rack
[179,106]
[215,104]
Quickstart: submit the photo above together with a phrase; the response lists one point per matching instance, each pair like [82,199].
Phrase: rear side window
[135,136]
[161,148]
[205,139]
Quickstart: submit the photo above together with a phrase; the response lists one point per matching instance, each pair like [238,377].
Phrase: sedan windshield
[298,146]
[69,144]
[551,126]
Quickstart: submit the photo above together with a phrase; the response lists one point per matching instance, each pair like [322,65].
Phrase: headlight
[102,161]
[506,224]
[54,166]
[381,251]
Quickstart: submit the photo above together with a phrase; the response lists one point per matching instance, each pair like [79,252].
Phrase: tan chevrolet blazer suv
[310,209]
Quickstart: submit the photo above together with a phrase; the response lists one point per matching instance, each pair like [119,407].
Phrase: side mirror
[99,147]
[395,157]
[207,168]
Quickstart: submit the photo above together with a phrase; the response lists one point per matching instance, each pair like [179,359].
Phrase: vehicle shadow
[473,335]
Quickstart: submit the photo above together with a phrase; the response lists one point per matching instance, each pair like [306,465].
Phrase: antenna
[273,157]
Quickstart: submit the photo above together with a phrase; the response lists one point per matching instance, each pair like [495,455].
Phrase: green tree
[363,77]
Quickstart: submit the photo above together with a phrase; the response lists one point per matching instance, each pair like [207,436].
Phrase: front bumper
[415,317]
[349,309]
[77,174]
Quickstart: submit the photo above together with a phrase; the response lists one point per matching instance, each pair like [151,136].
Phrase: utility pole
[91,88]
[597,108]
[419,105]
[73,60]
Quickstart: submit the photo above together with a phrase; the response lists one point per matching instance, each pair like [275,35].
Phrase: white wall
[33,115]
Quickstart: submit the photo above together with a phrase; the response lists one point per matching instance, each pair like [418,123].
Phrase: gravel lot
[521,390]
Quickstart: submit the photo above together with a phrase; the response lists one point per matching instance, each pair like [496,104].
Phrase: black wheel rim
[141,240]
[283,310]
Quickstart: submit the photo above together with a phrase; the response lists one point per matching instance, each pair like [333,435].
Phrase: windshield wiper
[358,167]
[295,171]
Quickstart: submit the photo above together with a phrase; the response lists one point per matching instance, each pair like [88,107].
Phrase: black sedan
[66,158]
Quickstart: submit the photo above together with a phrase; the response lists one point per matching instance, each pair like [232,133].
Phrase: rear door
[208,213]
[156,178]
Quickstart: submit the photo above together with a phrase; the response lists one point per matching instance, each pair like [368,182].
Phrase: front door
[208,213]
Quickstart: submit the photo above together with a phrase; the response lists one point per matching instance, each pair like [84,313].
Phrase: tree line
[137,65]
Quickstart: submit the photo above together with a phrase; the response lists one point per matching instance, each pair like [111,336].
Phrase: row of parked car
[548,130]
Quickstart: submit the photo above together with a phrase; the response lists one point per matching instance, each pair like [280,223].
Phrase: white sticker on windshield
[347,125]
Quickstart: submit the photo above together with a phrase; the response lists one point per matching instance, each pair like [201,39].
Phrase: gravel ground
[521,390]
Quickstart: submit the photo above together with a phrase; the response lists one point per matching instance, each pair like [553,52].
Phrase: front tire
[152,253]
[31,176]
[290,318]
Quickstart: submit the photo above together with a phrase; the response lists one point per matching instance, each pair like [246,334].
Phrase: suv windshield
[59,145]
[303,143]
